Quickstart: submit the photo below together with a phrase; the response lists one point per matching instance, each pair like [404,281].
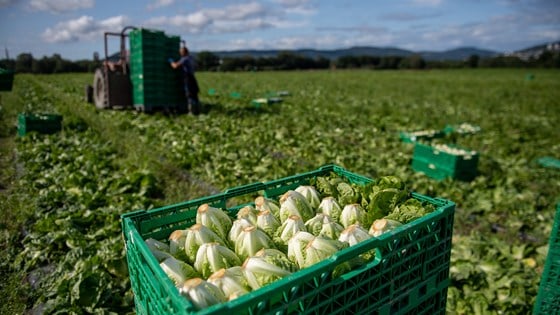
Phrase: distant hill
[453,54]
[458,54]
[539,48]
[535,51]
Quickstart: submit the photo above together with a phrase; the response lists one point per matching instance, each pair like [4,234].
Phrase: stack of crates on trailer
[440,161]
[155,85]
[548,298]
[409,275]
[40,123]
[6,79]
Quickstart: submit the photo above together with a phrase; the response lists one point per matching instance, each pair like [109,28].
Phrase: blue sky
[74,28]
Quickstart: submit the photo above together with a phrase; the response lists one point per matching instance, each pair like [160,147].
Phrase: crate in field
[409,275]
[549,162]
[441,161]
[461,129]
[421,135]
[6,80]
[275,100]
[548,298]
[236,95]
[277,94]
[258,102]
[40,123]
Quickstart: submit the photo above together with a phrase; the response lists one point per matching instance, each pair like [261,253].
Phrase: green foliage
[74,231]
[409,210]
[490,276]
[72,186]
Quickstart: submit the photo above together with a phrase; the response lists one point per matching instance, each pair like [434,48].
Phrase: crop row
[72,251]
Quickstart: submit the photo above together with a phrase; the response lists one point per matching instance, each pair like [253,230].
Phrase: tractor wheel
[100,90]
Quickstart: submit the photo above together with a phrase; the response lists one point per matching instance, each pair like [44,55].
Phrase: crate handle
[245,189]
[372,244]
[363,268]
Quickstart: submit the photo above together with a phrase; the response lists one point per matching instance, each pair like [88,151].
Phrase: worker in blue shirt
[186,62]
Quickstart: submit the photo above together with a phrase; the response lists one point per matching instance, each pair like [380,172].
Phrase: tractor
[115,86]
[112,87]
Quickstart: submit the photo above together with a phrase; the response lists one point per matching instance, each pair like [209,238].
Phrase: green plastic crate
[236,95]
[277,94]
[431,170]
[421,135]
[410,274]
[154,64]
[41,123]
[6,80]
[155,85]
[143,37]
[154,95]
[549,162]
[548,298]
[461,129]
[258,102]
[438,163]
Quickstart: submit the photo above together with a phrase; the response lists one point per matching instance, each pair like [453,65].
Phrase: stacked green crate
[6,79]
[440,161]
[410,273]
[548,297]
[154,83]
[40,123]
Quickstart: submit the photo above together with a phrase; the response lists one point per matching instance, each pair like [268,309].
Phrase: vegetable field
[61,195]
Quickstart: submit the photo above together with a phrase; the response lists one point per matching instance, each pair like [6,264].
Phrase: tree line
[208,61]
[26,63]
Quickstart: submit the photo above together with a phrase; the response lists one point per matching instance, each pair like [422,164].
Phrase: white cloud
[239,11]
[308,41]
[233,18]
[432,3]
[240,26]
[293,3]
[300,7]
[499,33]
[253,43]
[83,28]
[58,6]
[324,41]
[410,16]
[160,4]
